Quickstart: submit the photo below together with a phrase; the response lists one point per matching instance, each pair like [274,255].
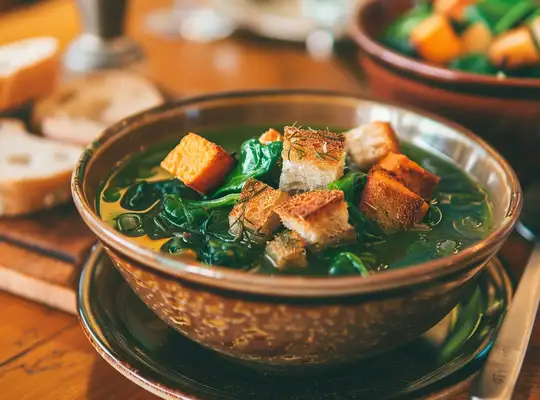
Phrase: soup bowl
[502,111]
[295,323]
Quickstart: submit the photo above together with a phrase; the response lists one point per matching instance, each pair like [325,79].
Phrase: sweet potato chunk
[253,215]
[412,175]
[287,250]
[390,203]
[271,135]
[198,163]
[514,49]
[435,40]
[477,38]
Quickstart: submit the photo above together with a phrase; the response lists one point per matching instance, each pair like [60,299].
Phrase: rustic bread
[287,251]
[253,215]
[412,175]
[35,173]
[198,163]
[320,217]
[369,143]
[389,203]
[79,111]
[311,159]
[28,69]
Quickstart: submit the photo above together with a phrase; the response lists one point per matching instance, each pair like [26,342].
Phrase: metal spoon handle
[501,370]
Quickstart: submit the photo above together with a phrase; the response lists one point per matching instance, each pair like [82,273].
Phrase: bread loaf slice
[28,69]
[35,173]
[79,111]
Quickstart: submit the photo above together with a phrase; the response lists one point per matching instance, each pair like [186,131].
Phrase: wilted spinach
[143,194]
[351,184]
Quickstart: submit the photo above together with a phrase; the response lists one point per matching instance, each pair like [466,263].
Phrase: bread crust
[320,147]
[362,149]
[287,250]
[307,206]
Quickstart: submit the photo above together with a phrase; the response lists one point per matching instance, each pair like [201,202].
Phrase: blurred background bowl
[295,322]
[506,112]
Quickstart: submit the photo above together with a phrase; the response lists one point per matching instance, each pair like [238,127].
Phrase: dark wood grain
[44,354]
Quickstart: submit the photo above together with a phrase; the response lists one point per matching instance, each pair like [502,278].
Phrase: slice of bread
[320,217]
[389,203]
[369,143]
[287,251]
[35,173]
[253,215]
[198,163]
[311,159]
[78,111]
[28,69]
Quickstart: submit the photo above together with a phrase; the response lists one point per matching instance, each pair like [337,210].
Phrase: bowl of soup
[474,62]
[259,225]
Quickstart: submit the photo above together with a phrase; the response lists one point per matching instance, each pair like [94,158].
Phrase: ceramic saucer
[145,350]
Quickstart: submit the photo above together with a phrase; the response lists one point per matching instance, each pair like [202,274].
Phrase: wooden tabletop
[44,354]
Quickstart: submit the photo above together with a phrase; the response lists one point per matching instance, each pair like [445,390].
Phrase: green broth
[460,214]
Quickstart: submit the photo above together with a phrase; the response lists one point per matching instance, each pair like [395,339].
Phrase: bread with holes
[253,215]
[198,163]
[388,202]
[29,69]
[370,143]
[35,173]
[80,110]
[287,251]
[271,135]
[320,217]
[311,159]
[417,179]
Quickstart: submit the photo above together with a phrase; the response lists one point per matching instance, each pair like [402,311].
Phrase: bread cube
[412,175]
[253,215]
[369,143]
[287,250]
[390,203]
[198,163]
[435,40]
[514,49]
[320,217]
[477,38]
[271,135]
[311,159]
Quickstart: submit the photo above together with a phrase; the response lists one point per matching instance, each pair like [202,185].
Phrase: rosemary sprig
[324,156]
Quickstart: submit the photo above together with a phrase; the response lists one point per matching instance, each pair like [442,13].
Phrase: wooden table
[43,353]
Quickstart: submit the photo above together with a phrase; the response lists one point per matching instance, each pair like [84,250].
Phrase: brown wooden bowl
[294,322]
[505,112]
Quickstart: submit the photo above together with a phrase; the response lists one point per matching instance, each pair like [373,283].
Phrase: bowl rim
[423,69]
[285,285]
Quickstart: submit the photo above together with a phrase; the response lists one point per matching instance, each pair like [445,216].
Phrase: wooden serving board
[41,256]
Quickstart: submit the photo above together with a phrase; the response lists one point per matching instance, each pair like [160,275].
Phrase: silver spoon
[499,374]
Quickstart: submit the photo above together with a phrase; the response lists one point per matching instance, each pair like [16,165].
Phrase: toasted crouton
[254,213]
[271,135]
[368,144]
[198,163]
[287,250]
[320,217]
[390,203]
[311,159]
[412,175]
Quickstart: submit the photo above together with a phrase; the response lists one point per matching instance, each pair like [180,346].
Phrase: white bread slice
[35,173]
[320,217]
[311,159]
[369,143]
[80,110]
[28,69]
[253,215]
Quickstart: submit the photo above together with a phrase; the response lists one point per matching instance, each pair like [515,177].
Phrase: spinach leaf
[347,263]
[477,63]
[351,184]
[143,194]
[398,34]
[499,15]
[218,252]
[150,223]
[257,160]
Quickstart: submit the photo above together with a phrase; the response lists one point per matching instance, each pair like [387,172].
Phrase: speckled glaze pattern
[276,333]
[291,322]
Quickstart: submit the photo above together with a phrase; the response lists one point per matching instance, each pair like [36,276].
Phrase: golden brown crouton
[320,217]
[287,250]
[389,203]
[198,163]
[412,175]
[254,214]
[369,143]
[271,135]
[452,8]
[311,159]
[435,39]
